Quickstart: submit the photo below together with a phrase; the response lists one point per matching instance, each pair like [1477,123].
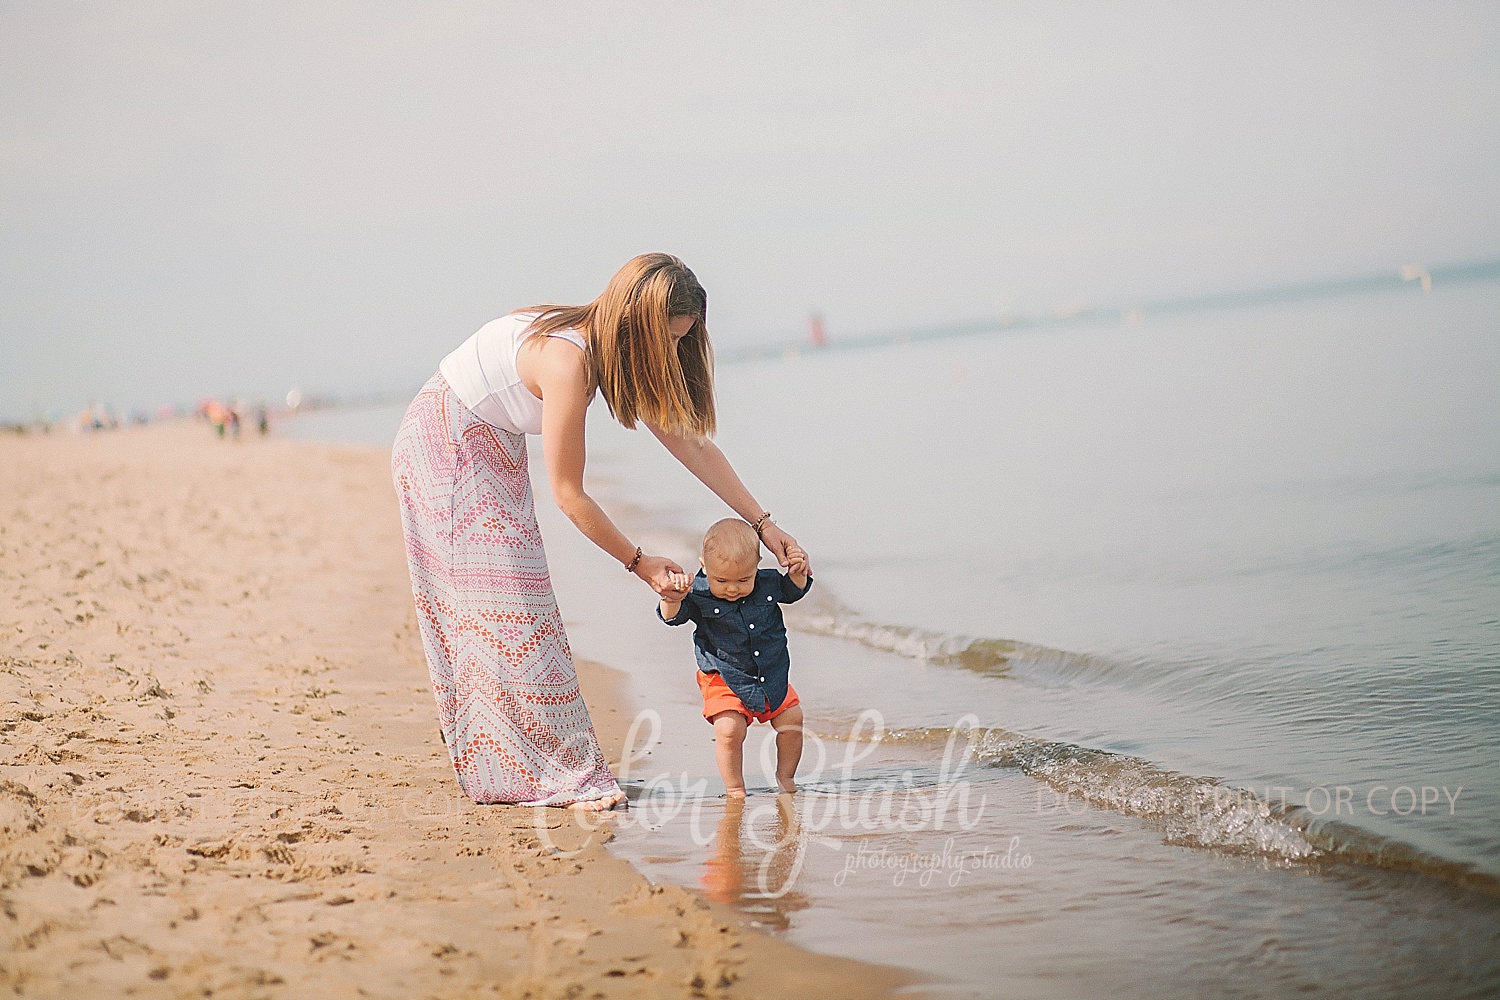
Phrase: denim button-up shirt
[743,641]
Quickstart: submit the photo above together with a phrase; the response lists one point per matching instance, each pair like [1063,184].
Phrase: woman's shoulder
[554,361]
[522,319]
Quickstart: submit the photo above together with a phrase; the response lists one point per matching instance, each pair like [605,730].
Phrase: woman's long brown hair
[630,353]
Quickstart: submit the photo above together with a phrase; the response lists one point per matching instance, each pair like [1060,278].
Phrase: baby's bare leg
[788,726]
[729,750]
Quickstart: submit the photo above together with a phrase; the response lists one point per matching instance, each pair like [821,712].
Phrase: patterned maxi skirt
[507,694]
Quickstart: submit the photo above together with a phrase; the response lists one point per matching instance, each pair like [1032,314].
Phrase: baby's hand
[798,564]
[678,586]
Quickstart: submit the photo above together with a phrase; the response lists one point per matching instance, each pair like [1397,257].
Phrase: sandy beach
[221,772]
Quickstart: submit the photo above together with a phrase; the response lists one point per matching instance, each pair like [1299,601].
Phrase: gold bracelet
[630,566]
[760,522]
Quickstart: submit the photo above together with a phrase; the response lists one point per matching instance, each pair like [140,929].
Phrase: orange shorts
[718,697]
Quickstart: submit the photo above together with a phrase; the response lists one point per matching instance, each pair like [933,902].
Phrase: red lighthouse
[816,335]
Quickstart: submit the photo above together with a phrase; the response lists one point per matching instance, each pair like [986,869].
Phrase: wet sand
[221,773]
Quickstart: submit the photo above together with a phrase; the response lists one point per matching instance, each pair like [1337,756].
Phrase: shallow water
[1222,587]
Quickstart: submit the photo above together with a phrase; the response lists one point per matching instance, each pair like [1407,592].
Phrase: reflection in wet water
[757,856]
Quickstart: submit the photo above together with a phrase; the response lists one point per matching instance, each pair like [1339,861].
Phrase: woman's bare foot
[786,785]
[734,793]
[601,805]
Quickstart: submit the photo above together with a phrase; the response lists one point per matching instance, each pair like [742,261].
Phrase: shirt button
[752,624]
[757,652]
[716,610]
[770,598]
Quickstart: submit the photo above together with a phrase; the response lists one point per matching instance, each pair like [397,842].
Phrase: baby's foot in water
[600,805]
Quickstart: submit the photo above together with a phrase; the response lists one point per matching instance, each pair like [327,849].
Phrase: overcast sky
[239,198]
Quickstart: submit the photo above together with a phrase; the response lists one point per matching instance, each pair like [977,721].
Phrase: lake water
[1143,659]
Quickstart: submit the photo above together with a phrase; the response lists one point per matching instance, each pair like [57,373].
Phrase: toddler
[740,644]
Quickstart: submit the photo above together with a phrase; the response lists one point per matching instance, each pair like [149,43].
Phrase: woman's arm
[704,459]
[563,381]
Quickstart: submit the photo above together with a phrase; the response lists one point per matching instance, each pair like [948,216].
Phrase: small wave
[991,657]
[987,656]
[1195,811]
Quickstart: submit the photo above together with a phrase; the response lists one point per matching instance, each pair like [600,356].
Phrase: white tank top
[482,374]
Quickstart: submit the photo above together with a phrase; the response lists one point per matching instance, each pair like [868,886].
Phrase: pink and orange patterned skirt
[507,694]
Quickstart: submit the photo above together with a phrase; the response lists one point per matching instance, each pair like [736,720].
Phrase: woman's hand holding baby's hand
[660,572]
[678,587]
[797,561]
[778,541]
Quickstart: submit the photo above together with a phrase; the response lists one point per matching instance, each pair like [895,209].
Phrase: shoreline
[222,773]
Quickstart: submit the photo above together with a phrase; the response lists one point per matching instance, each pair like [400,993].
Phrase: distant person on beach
[215,413]
[740,645]
[508,702]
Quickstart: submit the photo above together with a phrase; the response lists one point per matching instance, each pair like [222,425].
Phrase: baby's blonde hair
[733,540]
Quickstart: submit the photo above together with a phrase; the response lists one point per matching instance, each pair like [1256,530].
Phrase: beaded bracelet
[760,522]
[630,567]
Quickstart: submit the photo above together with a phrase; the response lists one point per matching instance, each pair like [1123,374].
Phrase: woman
[508,701]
